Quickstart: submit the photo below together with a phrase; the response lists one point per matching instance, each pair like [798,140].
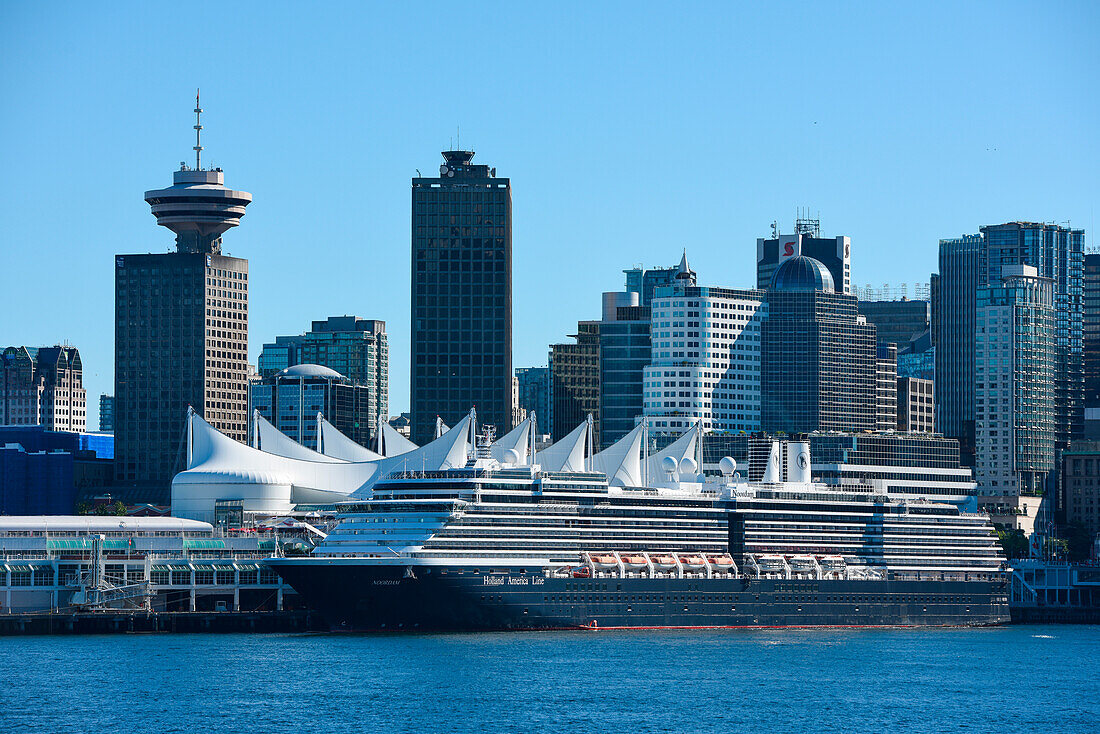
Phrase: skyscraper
[534,394]
[292,398]
[835,253]
[1057,253]
[977,261]
[819,366]
[953,307]
[461,296]
[181,329]
[896,322]
[1014,390]
[1090,292]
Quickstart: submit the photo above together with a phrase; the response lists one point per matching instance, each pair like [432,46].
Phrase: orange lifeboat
[662,561]
[721,563]
[604,561]
[633,561]
[584,572]
[694,564]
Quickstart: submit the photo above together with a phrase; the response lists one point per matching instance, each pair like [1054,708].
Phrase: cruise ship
[568,539]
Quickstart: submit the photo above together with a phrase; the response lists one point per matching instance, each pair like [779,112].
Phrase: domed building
[820,365]
[803,273]
[291,399]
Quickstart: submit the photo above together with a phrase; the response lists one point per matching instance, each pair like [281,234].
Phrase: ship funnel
[773,473]
[798,462]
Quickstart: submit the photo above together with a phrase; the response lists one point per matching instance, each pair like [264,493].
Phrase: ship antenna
[198,132]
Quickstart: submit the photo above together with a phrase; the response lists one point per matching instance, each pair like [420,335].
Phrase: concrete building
[916,405]
[886,387]
[290,400]
[835,253]
[461,296]
[1014,389]
[706,363]
[356,348]
[534,394]
[897,322]
[106,413]
[1081,484]
[575,381]
[43,386]
[819,358]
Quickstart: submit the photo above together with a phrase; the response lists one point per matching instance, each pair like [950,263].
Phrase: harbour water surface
[1007,680]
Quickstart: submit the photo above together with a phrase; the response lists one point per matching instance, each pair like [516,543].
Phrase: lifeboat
[694,564]
[584,572]
[722,563]
[604,561]
[633,561]
[662,561]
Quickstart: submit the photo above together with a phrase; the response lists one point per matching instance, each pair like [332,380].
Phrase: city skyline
[881,164]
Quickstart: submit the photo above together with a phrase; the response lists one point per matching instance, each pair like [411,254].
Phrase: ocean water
[1005,680]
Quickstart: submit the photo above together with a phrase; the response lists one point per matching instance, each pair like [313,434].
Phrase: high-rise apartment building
[181,329]
[106,413]
[1015,409]
[1057,253]
[43,386]
[533,386]
[357,349]
[835,253]
[461,296]
[706,359]
[819,358]
[976,261]
[1090,328]
[575,381]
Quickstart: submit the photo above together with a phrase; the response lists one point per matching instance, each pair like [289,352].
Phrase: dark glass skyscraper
[1091,328]
[819,360]
[461,296]
[953,307]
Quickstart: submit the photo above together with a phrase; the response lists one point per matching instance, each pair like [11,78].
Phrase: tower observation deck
[198,207]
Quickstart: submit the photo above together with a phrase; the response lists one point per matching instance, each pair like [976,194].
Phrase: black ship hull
[372,597]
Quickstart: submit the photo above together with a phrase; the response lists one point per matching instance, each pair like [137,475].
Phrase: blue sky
[630,131]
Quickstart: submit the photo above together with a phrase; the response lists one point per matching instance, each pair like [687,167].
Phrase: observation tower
[198,207]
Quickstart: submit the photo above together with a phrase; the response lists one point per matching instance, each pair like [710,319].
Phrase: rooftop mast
[198,132]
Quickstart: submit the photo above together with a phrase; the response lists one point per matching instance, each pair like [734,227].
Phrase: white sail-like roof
[519,439]
[274,441]
[393,443]
[338,446]
[622,460]
[567,454]
[220,468]
[446,452]
[680,449]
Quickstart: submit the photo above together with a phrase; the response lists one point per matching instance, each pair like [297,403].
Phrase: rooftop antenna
[198,132]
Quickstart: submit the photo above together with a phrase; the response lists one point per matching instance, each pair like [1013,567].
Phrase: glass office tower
[461,296]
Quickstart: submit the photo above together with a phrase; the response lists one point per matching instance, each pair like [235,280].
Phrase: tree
[1013,542]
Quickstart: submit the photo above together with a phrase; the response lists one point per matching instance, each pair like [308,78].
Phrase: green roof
[81,544]
[204,544]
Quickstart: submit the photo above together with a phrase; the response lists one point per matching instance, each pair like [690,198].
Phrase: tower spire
[198,133]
